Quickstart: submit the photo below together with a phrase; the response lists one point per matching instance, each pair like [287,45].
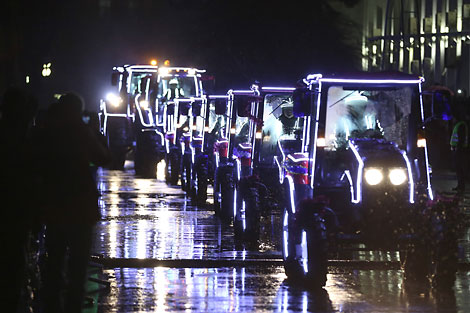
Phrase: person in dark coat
[459,143]
[70,200]
[17,114]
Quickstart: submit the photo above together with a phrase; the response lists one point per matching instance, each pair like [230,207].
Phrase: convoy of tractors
[344,159]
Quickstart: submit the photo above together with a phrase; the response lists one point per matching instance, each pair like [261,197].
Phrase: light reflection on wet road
[265,290]
[146,219]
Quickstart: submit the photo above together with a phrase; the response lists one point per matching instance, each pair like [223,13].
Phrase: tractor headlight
[144,104]
[114,100]
[397,176]
[373,176]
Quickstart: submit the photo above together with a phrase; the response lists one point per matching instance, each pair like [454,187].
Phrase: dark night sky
[276,42]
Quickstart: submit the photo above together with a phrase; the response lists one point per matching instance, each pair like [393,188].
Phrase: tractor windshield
[177,87]
[217,122]
[135,82]
[279,124]
[199,113]
[375,112]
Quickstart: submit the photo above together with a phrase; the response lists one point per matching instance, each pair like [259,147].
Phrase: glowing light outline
[372,81]
[304,258]
[304,132]
[281,172]
[359,173]
[314,157]
[314,77]
[228,127]
[351,185]
[243,214]
[290,181]
[285,234]
[245,145]
[287,89]
[239,168]
[296,160]
[254,111]
[217,159]
[106,114]
[139,109]
[410,177]
[242,92]
[218,97]
[167,146]
[426,157]
[234,202]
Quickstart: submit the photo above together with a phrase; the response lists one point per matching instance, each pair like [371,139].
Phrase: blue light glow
[430,192]
[410,177]
[359,173]
[291,192]
[285,233]
[304,251]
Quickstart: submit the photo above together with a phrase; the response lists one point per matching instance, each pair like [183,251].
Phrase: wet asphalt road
[161,254]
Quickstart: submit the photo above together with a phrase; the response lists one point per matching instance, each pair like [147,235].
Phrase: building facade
[425,37]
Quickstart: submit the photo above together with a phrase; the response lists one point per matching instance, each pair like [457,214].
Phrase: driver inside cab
[287,117]
[174,91]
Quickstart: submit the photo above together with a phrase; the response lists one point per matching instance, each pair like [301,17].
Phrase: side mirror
[183,108]
[437,105]
[302,98]
[114,78]
[220,106]
[196,108]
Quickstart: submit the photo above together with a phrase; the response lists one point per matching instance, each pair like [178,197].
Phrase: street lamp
[46,70]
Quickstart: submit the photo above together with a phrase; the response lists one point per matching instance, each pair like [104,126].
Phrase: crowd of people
[48,188]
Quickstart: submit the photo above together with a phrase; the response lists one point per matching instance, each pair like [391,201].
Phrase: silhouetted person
[459,146]
[68,147]
[17,114]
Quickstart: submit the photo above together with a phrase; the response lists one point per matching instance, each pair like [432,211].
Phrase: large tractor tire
[305,249]
[119,139]
[173,167]
[246,221]
[186,173]
[223,194]
[200,178]
[434,258]
[146,155]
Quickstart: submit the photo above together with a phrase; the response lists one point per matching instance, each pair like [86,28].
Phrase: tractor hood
[379,153]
